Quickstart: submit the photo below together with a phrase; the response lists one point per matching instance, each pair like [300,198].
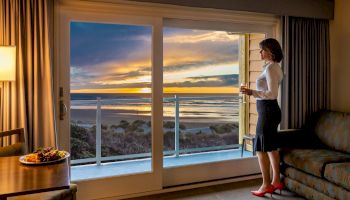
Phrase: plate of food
[44,156]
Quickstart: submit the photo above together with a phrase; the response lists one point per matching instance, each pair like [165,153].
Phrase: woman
[269,115]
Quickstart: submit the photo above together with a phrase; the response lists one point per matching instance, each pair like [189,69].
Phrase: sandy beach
[110,117]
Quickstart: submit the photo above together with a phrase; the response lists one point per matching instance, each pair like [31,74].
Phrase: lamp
[7,63]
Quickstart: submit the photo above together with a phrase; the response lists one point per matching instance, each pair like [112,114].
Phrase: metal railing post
[177,126]
[98,131]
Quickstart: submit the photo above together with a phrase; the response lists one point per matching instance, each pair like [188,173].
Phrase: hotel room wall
[340,56]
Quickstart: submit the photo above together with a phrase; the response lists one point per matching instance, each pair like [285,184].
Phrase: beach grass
[134,137]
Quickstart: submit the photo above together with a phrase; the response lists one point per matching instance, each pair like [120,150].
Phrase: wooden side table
[251,138]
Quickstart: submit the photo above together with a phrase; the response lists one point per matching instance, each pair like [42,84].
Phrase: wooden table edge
[4,196]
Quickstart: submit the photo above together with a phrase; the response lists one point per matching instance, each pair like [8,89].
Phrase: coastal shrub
[169,140]
[140,130]
[123,144]
[78,132]
[92,128]
[123,124]
[114,126]
[171,124]
[104,127]
[108,151]
[81,149]
[222,128]
[130,129]
[235,125]
[138,123]
[182,127]
[138,140]
[189,141]
[82,145]
[135,126]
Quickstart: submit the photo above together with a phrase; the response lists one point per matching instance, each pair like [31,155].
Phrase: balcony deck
[93,171]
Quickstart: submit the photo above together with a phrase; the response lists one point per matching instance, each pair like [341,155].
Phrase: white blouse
[268,82]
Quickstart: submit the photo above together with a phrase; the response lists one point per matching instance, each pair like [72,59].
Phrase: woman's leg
[275,163]
[265,169]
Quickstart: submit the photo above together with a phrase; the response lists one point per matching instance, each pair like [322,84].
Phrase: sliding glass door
[148,99]
[110,73]
[112,124]
[201,108]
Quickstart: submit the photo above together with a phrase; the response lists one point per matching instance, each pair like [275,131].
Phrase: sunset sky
[108,58]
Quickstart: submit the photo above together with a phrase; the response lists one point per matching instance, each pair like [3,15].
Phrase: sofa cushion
[333,129]
[338,173]
[319,184]
[313,161]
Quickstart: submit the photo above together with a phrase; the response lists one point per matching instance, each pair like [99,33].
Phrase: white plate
[23,161]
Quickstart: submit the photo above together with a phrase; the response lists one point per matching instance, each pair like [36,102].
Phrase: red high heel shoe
[268,190]
[278,186]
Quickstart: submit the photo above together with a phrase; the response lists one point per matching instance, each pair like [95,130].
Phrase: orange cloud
[112,90]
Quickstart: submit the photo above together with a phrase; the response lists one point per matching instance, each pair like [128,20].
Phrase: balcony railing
[176,152]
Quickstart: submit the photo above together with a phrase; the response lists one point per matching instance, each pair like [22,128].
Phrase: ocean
[220,108]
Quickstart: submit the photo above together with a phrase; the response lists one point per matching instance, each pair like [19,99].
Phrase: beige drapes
[28,102]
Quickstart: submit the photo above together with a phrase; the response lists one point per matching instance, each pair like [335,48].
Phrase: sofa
[316,158]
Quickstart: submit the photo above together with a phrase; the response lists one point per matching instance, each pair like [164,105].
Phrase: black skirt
[269,116]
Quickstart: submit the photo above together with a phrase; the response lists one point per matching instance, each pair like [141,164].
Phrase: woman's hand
[246,91]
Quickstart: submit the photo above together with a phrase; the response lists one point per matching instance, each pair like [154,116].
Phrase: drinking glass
[243,96]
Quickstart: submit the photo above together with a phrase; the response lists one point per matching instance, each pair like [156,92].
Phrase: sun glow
[109,90]
[166,90]
[145,90]
[201,90]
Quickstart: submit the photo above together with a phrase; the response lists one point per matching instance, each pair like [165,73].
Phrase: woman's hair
[271,45]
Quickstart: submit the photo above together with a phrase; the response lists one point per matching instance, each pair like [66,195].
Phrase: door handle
[63,110]
[63,107]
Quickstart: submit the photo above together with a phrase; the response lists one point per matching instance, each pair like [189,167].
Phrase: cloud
[94,43]
[198,48]
[198,82]
[195,36]
[208,81]
[117,56]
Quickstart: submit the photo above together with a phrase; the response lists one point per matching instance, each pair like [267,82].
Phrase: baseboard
[187,186]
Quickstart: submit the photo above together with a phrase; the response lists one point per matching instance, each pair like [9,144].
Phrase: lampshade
[7,63]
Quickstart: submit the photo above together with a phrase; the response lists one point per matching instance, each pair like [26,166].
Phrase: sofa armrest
[298,138]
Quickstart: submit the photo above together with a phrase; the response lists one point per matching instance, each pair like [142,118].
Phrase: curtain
[28,101]
[306,86]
